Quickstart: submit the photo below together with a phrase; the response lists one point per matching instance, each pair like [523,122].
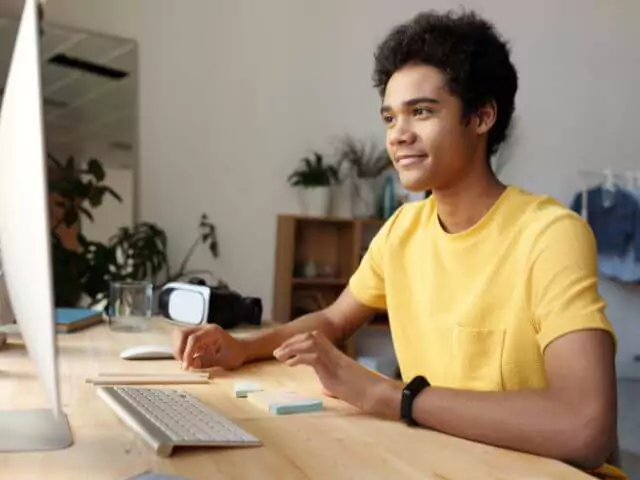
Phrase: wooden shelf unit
[335,246]
[319,281]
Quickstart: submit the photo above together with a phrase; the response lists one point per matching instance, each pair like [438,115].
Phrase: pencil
[147,380]
[184,374]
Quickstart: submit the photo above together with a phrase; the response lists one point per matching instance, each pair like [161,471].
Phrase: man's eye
[387,119]
[421,111]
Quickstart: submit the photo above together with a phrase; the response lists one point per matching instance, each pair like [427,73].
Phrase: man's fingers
[302,359]
[209,355]
[205,352]
[216,349]
[196,363]
[327,393]
[285,352]
[188,351]
[179,341]
[194,346]
[321,338]
[310,338]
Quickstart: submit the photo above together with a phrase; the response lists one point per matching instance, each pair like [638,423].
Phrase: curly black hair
[468,50]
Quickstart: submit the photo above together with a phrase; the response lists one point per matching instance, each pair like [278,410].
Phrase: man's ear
[486,117]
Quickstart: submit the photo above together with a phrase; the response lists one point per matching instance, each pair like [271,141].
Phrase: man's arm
[209,345]
[337,322]
[573,420]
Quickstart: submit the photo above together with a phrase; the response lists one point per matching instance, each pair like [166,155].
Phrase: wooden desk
[337,443]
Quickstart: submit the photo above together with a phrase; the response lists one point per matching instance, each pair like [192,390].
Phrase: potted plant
[141,252]
[314,180]
[74,190]
[83,269]
[364,164]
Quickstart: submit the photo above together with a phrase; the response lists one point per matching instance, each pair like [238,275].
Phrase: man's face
[430,144]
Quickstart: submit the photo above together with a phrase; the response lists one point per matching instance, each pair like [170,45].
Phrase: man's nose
[402,133]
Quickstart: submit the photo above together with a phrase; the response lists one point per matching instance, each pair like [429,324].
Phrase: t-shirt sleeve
[367,283]
[564,281]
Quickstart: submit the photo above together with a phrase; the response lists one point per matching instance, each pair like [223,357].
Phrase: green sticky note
[242,389]
[284,403]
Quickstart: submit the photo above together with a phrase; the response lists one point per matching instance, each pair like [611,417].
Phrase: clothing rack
[604,171]
[631,177]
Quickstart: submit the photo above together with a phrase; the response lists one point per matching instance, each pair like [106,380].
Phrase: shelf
[377,222]
[319,281]
[330,244]
[319,219]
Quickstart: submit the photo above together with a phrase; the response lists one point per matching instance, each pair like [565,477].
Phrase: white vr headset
[185,302]
[195,303]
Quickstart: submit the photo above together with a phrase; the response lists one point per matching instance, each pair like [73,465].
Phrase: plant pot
[364,198]
[315,200]
[341,200]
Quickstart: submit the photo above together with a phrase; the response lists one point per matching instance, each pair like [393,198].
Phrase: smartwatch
[409,394]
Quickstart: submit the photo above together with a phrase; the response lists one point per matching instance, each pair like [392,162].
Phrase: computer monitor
[25,241]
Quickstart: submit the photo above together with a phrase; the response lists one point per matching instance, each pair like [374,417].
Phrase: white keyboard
[167,418]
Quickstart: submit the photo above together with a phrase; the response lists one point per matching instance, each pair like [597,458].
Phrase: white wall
[234,93]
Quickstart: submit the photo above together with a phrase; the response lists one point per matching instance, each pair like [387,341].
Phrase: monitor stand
[33,430]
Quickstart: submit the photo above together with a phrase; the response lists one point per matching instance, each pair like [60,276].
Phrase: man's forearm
[262,345]
[531,421]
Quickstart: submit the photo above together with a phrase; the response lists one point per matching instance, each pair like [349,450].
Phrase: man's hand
[340,375]
[208,346]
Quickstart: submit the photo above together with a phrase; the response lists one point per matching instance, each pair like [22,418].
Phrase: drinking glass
[130,305]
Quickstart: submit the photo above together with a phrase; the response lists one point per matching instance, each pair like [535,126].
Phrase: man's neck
[464,205]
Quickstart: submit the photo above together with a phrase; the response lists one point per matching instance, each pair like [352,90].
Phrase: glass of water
[130,305]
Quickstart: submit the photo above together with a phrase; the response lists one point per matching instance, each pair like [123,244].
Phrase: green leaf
[86,212]
[95,196]
[55,161]
[82,241]
[70,166]
[94,168]
[307,163]
[56,185]
[113,193]
[83,190]
[70,217]
[313,172]
[213,248]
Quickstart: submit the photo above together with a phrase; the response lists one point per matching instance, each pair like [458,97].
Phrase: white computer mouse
[147,352]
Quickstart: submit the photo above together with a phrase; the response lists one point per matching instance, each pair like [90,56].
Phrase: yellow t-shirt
[475,310]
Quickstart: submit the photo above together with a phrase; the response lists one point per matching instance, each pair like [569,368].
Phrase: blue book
[73,319]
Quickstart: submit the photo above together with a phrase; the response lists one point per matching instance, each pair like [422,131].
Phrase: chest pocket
[475,361]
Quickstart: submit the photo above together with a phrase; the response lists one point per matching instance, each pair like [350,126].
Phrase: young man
[491,291]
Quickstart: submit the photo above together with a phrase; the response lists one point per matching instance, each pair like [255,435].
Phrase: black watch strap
[409,394]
